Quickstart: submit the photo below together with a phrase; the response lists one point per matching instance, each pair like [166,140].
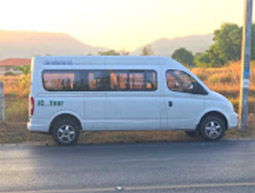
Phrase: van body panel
[184,110]
[127,112]
[131,110]
[95,111]
[67,112]
[231,117]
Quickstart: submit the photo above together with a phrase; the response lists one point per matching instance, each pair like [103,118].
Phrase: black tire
[191,133]
[212,128]
[65,131]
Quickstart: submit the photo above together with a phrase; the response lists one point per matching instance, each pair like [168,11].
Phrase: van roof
[74,60]
[115,57]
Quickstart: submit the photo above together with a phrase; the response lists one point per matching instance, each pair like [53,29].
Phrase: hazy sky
[120,24]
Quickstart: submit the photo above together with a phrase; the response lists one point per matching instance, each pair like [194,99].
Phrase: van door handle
[170,103]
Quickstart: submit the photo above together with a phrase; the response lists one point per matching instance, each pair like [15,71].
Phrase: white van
[70,94]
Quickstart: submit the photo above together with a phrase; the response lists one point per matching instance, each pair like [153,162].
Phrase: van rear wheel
[66,131]
[212,128]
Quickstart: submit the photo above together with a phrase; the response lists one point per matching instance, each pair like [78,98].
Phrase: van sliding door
[133,101]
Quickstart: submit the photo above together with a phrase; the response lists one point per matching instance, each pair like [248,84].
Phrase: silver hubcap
[213,129]
[66,133]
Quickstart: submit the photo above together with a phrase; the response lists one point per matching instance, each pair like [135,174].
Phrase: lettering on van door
[56,103]
[51,103]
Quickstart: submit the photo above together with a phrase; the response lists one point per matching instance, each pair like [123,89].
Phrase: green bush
[9,73]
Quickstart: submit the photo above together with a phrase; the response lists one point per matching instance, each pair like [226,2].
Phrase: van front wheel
[212,128]
[65,131]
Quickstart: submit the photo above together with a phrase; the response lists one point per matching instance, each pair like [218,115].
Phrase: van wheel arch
[216,114]
[64,116]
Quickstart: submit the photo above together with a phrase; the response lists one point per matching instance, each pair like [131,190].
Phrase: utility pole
[2,101]
[245,66]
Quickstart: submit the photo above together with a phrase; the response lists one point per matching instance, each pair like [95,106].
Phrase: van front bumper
[232,120]
[37,127]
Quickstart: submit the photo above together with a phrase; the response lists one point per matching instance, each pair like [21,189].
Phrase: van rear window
[100,80]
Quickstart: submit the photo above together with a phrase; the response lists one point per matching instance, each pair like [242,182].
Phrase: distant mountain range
[166,47]
[23,44]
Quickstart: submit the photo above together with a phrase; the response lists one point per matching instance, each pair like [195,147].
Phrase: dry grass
[225,78]
[226,81]
[17,133]
[16,85]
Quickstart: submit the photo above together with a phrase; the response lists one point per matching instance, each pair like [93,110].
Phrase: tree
[123,52]
[23,88]
[24,69]
[227,47]
[202,60]
[109,53]
[210,58]
[147,51]
[228,41]
[184,56]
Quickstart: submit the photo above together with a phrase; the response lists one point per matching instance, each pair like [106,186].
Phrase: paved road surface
[227,166]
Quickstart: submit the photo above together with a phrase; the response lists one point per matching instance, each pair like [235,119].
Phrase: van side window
[122,81]
[136,80]
[118,79]
[66,80]
[100,80]
[180,81]
[133,80]
[96,80]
